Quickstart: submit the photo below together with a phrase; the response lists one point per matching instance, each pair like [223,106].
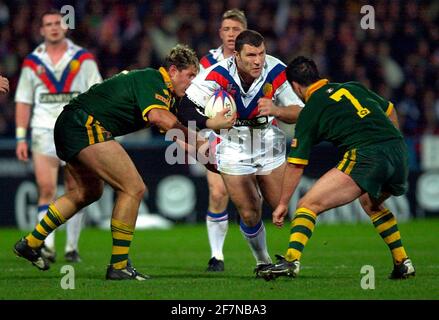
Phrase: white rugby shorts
[43,142]
[246,150]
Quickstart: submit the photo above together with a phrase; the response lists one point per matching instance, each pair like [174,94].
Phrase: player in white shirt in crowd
[56,71]
[233,22]
[251,155]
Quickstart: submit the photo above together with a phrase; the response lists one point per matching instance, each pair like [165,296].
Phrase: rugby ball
[218,101]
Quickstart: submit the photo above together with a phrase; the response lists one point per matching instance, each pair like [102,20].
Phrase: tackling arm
[166,120]
[293,174]
[188,111]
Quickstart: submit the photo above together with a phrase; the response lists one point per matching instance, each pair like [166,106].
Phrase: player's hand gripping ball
[218,101]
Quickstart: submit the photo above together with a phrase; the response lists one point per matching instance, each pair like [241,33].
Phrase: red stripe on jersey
[254,113]
[218,78]
[278,81]
[73,73]
[205,62]
[42,75]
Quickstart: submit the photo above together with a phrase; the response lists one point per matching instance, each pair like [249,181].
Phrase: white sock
[217,226]
[73,227]
[50,239]
[256,239]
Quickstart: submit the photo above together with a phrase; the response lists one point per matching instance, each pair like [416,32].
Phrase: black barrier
[176,192]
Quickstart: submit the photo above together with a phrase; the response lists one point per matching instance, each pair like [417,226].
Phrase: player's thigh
[332,190]
[46,170]
[271,185]
[244,192]
[113,165]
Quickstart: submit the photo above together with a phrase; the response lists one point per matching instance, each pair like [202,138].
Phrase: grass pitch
[176,260]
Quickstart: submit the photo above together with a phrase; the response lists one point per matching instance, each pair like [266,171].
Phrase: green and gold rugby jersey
[346,114]
[121,103]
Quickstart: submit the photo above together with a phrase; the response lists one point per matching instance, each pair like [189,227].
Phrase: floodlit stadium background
[399,59]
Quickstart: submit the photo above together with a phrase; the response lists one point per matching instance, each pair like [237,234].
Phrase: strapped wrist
[20,133]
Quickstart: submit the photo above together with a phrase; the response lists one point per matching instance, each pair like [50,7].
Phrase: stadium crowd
[399,58]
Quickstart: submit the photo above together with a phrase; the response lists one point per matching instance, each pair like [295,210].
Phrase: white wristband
[20,133]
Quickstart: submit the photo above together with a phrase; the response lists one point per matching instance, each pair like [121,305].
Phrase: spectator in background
[409,111]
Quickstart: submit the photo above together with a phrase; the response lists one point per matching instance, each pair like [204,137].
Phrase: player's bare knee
[249,217]
[46,190]
[86,196]
[137,190]
[218,195]
[368,206]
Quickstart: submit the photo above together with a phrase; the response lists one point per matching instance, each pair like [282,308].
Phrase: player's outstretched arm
[4,85]
[288,114]
[188,138]
[293,174]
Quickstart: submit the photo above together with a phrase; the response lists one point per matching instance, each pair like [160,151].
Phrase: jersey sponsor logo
[162,99]
[294,143]
[58,97]
[255,122]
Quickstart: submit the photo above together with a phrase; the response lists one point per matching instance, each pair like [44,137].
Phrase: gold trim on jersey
[166,78]
[315,86]
[297,160]
[154,106]
[389,109]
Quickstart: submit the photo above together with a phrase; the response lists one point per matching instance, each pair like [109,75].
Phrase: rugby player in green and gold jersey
[84,138]
[373,168]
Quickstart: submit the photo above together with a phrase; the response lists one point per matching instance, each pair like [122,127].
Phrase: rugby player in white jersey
[56,71]
[251,156]
[233,22]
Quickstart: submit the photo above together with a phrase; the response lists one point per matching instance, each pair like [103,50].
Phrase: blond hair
[237,15]
[182,57]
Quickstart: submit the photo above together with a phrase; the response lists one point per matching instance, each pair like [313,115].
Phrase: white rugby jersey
[272,84]
[50,87]
[214,56]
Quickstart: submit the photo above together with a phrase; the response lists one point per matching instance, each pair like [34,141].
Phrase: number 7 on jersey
[361,111]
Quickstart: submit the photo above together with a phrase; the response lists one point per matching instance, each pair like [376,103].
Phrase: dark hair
[250,37]
[182,57]
[49,12]
[302,70]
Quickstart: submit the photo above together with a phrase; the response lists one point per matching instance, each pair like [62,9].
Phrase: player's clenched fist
[4,85]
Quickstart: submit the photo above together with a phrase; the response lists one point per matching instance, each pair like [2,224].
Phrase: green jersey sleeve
[305,137]
[151,92]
